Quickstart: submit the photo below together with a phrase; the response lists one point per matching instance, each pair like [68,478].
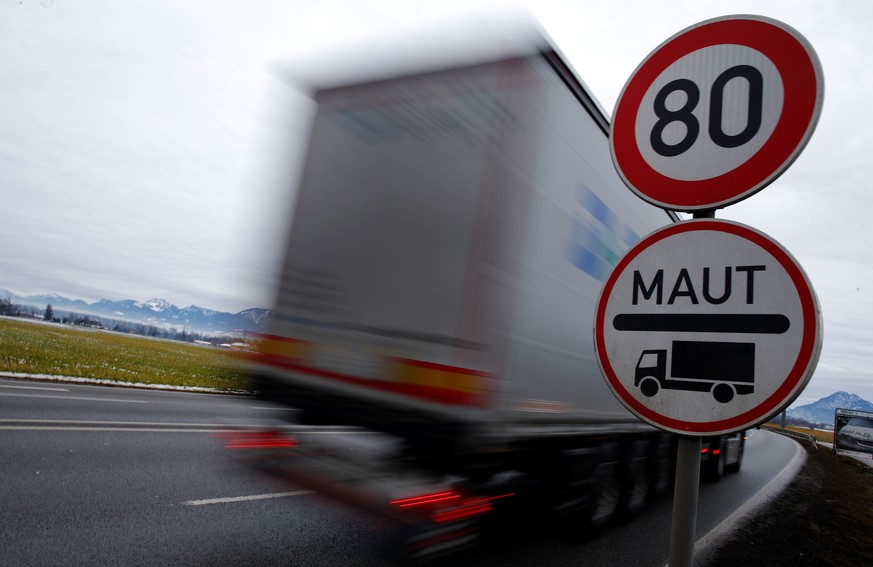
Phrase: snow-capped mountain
[156,311]
[822,411]
[257,315]
[158,305]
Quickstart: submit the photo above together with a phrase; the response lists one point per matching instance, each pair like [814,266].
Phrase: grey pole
[685,502]
[687,487]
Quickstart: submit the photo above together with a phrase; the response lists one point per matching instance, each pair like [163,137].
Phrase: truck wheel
[723,393]
[587,512]
[649,387]
[636,480]
[604,496]
[661,463]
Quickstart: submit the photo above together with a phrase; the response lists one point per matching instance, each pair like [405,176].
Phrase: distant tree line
[10,309]
[159,332]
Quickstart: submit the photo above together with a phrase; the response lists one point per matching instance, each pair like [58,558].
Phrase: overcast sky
[141,149]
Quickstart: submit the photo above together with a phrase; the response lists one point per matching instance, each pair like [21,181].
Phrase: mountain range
[822,411]
[157,312]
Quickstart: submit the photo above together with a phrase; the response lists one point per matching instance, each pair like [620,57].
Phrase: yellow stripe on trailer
[439,376]
[285,347]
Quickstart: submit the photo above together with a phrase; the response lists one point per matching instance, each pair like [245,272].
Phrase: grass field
[44,348]
[824,436]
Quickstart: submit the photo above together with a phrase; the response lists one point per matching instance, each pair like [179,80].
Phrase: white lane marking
[719,533]
[155,423]
[73,398]
[144,429]
[95,428]
[13,424]
[234,405]
[246,498]
[35,388]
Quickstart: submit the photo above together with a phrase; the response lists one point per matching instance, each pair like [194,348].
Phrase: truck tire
[587,509]
[604,496]
[662,464]
[636,479]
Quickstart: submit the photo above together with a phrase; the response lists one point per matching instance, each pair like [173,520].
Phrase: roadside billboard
[853,432]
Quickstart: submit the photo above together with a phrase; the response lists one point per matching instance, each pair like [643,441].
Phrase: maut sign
[707,327]
[716,113]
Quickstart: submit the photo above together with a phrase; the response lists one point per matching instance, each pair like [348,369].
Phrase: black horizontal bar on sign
[702,323]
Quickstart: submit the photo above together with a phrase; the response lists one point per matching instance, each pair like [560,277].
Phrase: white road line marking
[12,424]
[232,427]
[73,398]
[133,429]
[707,543]
[35,388]
[246,498]
[101,422]
[151,429]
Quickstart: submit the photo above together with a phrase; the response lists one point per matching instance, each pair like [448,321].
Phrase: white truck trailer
[451,233]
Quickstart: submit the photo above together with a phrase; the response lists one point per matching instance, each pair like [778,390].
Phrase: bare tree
[7,307]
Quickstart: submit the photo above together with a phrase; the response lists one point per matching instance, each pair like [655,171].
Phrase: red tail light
[426,499]
[448,506]
[258,440]
[465,512]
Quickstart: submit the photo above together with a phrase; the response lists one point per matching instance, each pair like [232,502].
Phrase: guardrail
[802,437]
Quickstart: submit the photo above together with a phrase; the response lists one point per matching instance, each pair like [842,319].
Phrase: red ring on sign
[800,77]
[800,371]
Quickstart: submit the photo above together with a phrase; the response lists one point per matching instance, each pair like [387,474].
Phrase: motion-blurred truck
[452,230]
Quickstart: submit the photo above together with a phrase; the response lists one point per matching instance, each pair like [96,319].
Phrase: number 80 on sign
[716,113]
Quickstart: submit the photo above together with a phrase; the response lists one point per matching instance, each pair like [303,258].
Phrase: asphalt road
[110,476]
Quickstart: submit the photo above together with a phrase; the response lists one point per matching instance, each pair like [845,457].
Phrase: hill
[822,411]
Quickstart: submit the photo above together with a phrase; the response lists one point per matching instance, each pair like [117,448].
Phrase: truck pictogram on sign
[723,368]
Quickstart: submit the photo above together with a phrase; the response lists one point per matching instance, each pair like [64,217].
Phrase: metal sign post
[685,502]
[686,490]
[704,328]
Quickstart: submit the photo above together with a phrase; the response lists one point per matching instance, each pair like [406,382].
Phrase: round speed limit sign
[716,113]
